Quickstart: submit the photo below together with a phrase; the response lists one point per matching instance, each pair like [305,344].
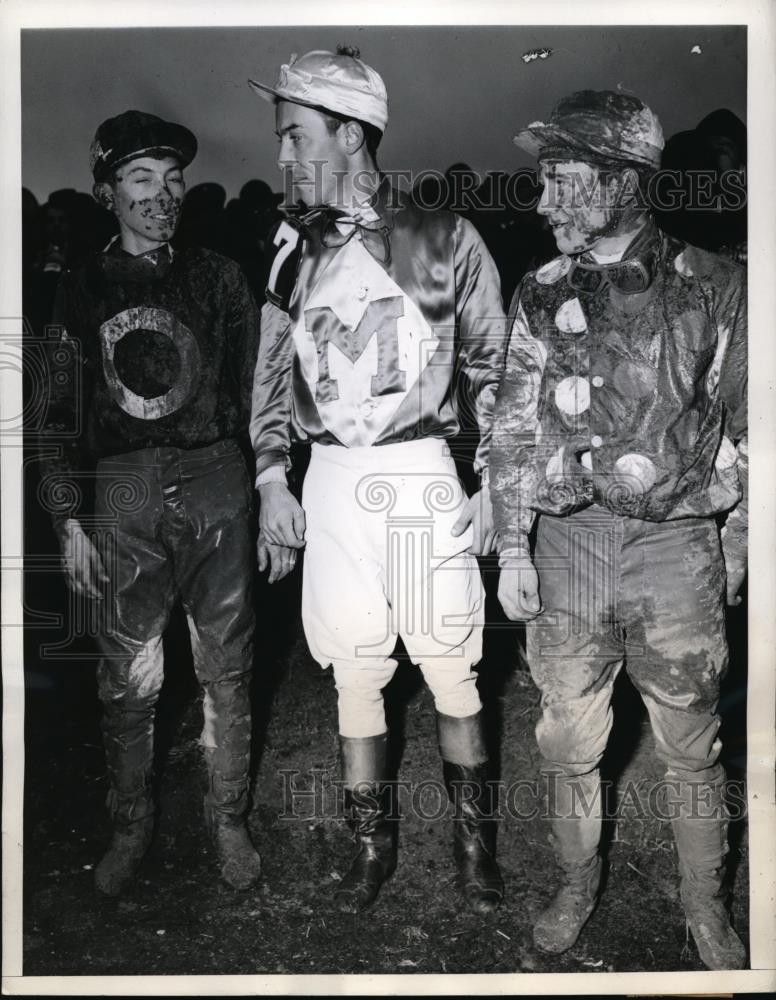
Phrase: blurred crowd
[696,205]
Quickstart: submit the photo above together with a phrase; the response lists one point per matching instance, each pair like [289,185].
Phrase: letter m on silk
[381,319]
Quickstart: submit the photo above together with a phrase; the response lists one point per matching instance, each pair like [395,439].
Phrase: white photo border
[761,21]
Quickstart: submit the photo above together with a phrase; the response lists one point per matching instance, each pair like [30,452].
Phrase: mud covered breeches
[178,527]
[651,595]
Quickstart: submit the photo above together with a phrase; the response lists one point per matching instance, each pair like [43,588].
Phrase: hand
[518,589]
[281,519]
[479,513]
[735,571]
[280,559]
[83,566]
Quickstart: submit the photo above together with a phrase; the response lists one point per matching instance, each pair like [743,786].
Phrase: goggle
[333,238]
[626,276]
[629,276]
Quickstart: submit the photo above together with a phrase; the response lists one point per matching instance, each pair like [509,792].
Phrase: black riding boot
[469,783]
[367,809]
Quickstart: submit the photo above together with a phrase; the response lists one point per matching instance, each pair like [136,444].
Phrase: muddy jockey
[161,349]
[620,429]
[371,302]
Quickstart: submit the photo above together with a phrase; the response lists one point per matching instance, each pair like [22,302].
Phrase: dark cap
[600,123]
[135,133]
[725,124]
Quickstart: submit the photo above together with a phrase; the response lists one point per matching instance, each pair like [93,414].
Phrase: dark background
[455,93]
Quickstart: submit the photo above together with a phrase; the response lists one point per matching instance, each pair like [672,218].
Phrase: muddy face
[579,206]
[147,198]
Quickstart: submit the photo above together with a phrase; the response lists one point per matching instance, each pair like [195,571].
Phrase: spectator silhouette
[203,219]
[250,220]
[709,200]
[430,191]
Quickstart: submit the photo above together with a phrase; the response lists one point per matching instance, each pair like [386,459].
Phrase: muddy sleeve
[481,328]
[66,388]
[730,309]
[243,339]
[513,479]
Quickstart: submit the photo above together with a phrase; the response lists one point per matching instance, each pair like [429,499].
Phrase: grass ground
[179,918]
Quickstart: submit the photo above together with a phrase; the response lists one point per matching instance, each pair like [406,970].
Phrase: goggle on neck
[333,238]
[629,276]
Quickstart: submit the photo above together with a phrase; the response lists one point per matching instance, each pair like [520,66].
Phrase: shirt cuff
[517,549]
[272,474]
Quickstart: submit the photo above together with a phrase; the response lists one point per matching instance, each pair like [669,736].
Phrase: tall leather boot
[238,860]
[469,781]
[368,813]
[574,805]
[130,804]
[129,678]
[128,739]
[226,806]
[700,831]
[133,828]
[226,742]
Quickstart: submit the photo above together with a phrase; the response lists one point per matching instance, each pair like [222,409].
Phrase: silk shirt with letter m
[379,321]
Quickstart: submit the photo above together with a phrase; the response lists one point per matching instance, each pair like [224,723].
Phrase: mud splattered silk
[156,351]
[634,402]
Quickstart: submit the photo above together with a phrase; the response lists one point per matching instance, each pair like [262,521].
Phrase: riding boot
[574,806]
[470,785]
[133,827]
[700,831]
[226,806]
[368,813]
[130,804]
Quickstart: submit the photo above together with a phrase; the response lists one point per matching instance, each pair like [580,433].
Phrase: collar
[118,265]
[643,242]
